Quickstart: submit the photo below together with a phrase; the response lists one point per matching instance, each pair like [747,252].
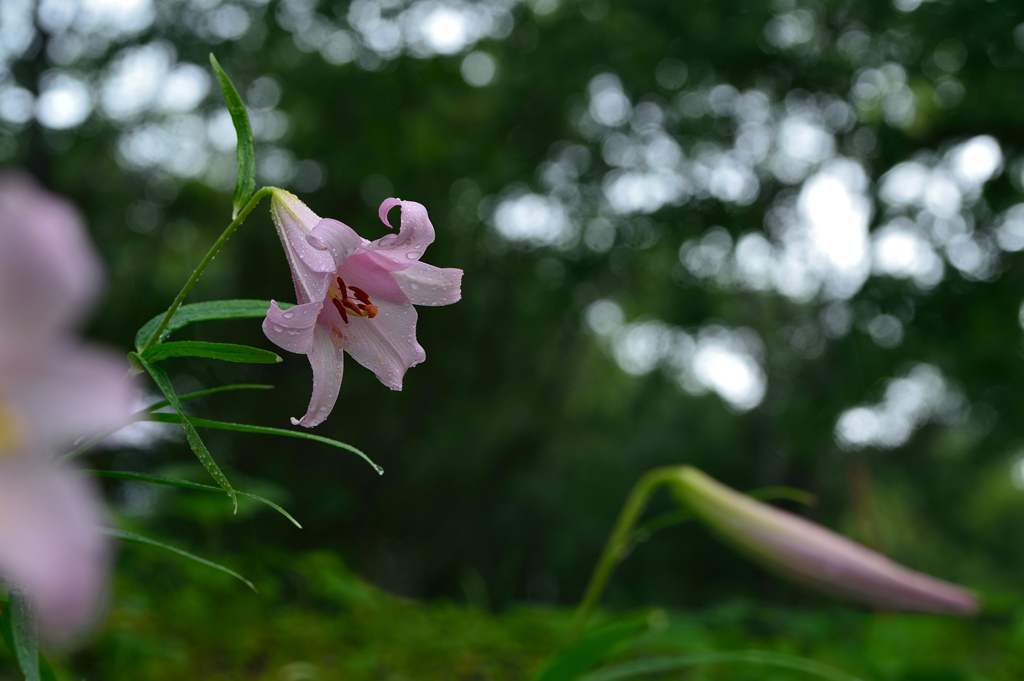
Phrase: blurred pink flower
[52,389]
[355,296]
[812,555]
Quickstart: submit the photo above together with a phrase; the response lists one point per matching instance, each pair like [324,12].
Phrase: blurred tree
[777,242]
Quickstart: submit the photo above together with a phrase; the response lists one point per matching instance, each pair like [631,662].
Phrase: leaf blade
[226,352]
[264,430]
[195,442]
[666,664]
[208,311]
[139,539]
[18,623]
[245,150]
[185,484]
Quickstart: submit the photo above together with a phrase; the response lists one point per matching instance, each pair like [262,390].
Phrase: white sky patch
[834,205]
[716,359]
[901,250]
[921,396]
[479,68]
[135,79]
[184,88]
[723,362]
[443,29]
[609,105]
[1010,229]
[65,102]
[534,219]
[884,88]
[16,104]
[976,161]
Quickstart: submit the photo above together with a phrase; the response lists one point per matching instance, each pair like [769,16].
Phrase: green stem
[618,542]
[204,263]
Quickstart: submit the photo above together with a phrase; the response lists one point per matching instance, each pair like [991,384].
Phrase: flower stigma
[360,307]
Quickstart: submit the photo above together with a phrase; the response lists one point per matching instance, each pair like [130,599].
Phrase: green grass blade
[139,539]
[227,352]
[186,484]
[245,150]
[205,312]
[661,665]
[597,645]
[203,393]
[194,441]
[263,430]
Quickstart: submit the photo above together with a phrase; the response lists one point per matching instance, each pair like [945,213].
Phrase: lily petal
[49,272]
[310,266]
[327,359]
[336,238]
[415,234]
[66,390]
[428,285]
[386,344]
[49,544]
[292,329]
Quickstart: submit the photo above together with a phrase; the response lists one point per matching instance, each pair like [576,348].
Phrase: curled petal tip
[385,207]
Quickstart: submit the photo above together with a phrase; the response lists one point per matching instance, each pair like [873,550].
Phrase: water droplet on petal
[278,328]
[288,314]
[412,255]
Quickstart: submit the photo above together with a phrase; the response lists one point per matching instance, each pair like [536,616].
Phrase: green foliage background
[510,450]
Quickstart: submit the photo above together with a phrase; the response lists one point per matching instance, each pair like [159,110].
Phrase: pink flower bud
[809,554]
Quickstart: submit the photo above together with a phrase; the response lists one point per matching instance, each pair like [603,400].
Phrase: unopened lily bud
[809,554]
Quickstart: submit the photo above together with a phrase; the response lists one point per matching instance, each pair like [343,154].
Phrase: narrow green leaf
[205,312]
[228,352]
[592,649]
[24,635]
[194,441]
[138,539]
[203,393]
[7,633]
[141,415]
[186,484]
[263,430]
[660,665]
[245,150]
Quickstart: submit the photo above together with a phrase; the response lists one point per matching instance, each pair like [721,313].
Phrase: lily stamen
[346,306]
[341,309]
[360,294]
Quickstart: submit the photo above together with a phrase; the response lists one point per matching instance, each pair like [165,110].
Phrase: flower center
[10,432]
[356,305]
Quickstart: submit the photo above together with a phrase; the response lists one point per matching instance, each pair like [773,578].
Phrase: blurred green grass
[315,620]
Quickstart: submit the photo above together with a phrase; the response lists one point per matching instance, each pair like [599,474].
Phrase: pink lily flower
[355,296]
[52,389]
[809,554]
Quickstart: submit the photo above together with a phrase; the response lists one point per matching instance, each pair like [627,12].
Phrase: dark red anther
[360,294]
[352,306]
[341,309]
[341,285]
